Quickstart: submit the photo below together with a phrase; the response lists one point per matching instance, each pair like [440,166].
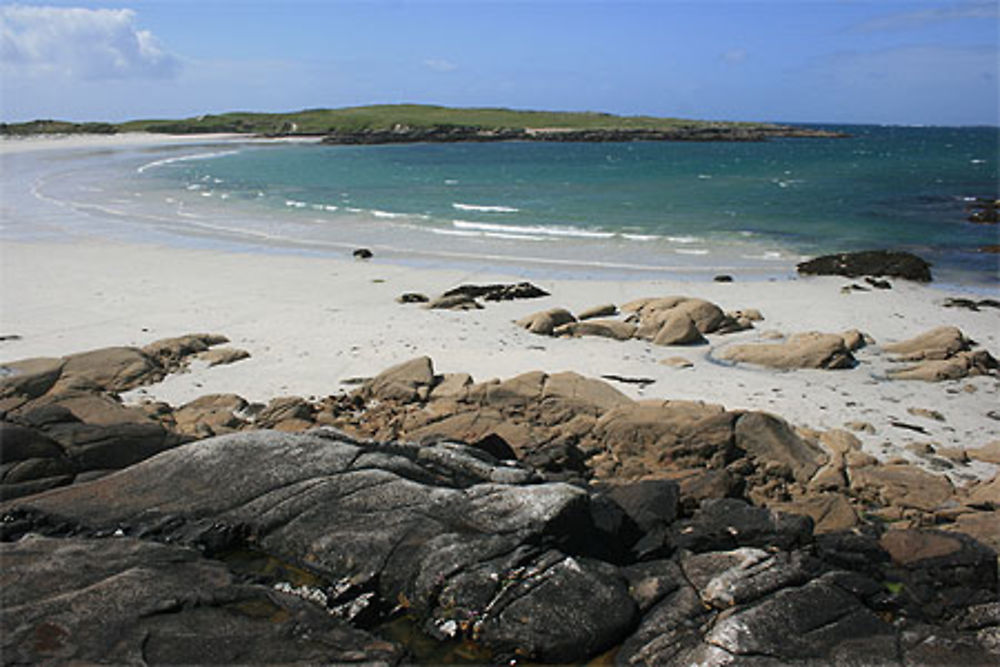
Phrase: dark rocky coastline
[403,134]
[427,518]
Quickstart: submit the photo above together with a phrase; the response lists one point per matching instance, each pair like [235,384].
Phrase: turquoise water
[681,207]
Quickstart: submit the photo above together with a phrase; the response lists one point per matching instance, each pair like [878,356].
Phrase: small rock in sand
[924,412]
[412,297]
[220,356]
[676,362]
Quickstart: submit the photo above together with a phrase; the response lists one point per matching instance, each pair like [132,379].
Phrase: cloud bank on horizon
[812,60]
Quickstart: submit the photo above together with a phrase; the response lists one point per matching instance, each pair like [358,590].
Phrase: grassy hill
[375,118]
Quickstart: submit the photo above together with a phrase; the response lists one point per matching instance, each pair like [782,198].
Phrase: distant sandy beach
[310,323]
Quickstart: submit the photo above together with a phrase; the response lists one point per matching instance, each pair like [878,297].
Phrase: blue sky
[784,60]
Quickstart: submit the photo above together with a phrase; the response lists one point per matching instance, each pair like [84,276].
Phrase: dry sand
[311,322]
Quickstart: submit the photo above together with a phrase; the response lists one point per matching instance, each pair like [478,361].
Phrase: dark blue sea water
[684,207]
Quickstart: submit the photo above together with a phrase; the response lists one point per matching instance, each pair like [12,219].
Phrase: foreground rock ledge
[467,547]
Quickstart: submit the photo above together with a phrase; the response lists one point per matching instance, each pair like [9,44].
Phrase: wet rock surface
[877,263]
[545,517]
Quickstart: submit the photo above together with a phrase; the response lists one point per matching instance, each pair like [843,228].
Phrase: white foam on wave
[691,251]
[531,229]
[640,237]
[683,239]
[484,209]
[387,214]
[183,158]
[292,203]
[516,237]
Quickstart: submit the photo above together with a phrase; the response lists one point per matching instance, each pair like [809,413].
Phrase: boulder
[613,329]
[409,381]
[412,297]
[830,512]
[939,343]
[171,353]
[770,440]
[546,321]
[498,292]
[22,381]
[606,310]
[454,302]
[126,601]
[413,525]
[113,369]
[963,364]
[890,263]
[213,414]
[728,523]
[806,350]
[221,356]
[902,485]
[679,329]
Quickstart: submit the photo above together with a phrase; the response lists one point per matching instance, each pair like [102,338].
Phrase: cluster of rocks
[942,353]
[465,297]
[63,421]
[672,320]
[545,517]
[308,547]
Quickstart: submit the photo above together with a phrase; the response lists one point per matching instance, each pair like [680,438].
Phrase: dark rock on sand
[499,292]
[362,253]
[970,304]
[412,297]
[878,263]
[454,302]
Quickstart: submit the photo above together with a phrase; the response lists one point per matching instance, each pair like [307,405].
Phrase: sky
[843,61]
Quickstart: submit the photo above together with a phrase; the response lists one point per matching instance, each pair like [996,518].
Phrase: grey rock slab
[126,601]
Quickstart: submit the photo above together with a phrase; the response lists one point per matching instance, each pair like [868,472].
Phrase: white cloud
[906,20]
[440,65]
[80,43]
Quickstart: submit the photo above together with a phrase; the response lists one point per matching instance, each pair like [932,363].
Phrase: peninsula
[405,123]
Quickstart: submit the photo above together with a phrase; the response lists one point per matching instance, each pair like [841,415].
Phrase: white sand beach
[311,322]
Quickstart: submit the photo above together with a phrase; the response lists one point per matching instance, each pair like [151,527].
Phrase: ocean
[573,210]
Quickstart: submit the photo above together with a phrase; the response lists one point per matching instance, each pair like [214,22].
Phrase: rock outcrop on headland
[546,517]
[402,134]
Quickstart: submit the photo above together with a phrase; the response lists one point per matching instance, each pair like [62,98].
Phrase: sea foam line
[183,158]
[485,209]
[531,229]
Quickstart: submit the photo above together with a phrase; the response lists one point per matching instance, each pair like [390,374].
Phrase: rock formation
[545,517]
